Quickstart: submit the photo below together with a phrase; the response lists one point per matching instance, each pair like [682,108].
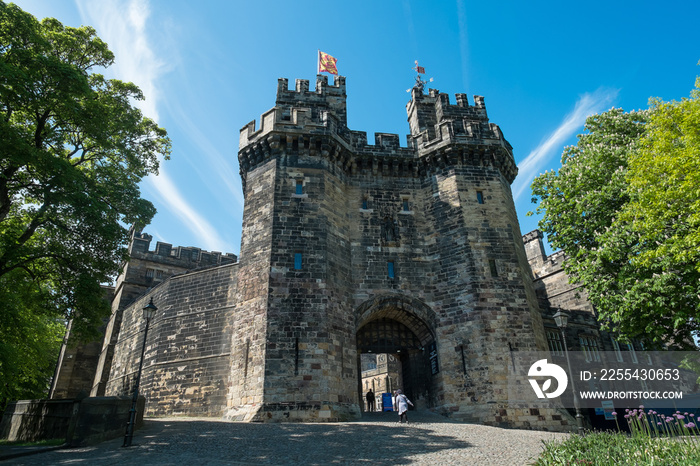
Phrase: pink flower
[614,413]
[690,425]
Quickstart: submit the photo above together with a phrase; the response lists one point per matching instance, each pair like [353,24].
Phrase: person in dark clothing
[370,400]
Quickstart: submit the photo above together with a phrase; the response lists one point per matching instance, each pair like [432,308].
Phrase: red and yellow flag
[327,63]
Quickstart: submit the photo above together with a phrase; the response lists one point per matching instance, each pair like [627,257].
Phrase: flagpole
[318,61]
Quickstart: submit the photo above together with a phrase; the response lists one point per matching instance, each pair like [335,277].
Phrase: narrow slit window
[390,269]
[492,266]
[480,197]
[406,207]
[299,187]
[297,261]
[365,203]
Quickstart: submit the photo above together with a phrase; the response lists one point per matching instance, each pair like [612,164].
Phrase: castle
[348,248]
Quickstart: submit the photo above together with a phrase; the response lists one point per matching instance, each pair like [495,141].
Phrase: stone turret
[436,125]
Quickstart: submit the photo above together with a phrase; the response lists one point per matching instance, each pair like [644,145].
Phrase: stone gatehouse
[347,248]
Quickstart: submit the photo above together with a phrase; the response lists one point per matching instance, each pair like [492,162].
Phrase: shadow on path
[182,441]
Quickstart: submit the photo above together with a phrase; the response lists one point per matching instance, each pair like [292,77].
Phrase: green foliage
[606,448]
[624,208]
[654,439]
[30,339]
[664,177]
[72,152]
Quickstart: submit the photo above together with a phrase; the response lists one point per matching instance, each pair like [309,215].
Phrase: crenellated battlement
[329,98]
[435,122]
[180,255]
[301,89]
[314,123]
[322,110]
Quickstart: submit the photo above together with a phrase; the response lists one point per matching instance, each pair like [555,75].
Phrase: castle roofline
[314,123]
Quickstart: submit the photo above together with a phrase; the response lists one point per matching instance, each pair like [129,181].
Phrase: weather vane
[419,81]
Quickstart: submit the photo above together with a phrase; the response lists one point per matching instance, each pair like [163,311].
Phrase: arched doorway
[397,333]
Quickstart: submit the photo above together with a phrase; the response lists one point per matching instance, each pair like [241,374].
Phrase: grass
[655,439]
[38,443]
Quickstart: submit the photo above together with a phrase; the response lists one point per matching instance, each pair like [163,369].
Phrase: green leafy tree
[73,149]
[664,208]
[623,207]
[30,339]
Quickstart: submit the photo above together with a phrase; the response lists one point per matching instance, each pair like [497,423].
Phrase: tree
[30,339]
[664,208]
[623,207]
[73,149]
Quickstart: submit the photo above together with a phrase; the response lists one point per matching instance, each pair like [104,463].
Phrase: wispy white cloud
[408,15]
[463,42]
[588,104]
[216,164]
[124,25]
[168,194]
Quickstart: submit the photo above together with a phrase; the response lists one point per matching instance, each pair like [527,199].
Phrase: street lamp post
[148,313]
[562,319]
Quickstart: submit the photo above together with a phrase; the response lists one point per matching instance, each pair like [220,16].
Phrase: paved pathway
[377,439]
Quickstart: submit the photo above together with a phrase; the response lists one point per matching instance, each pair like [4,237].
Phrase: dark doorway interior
[392,340]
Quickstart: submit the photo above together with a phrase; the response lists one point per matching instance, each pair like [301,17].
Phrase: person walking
[402,403]
[370,400]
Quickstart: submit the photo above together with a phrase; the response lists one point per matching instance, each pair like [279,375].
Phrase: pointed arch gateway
[403,328]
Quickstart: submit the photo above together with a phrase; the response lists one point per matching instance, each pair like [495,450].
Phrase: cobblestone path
[377,440]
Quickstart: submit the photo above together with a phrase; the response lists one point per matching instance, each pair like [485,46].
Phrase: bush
[654,439]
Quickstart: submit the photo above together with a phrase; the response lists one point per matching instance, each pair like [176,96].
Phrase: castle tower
[351,248]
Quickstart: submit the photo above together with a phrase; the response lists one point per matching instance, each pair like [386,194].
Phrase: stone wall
[551,281]
[556,292]
[249,323]
[187,358]
[145,269]
[80,422]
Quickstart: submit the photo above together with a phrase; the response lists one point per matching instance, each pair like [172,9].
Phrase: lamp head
[150,310]
[561,319]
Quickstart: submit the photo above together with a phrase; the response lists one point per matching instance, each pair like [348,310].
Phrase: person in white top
[402,402]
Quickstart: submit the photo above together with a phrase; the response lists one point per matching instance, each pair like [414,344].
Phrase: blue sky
[209,67]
